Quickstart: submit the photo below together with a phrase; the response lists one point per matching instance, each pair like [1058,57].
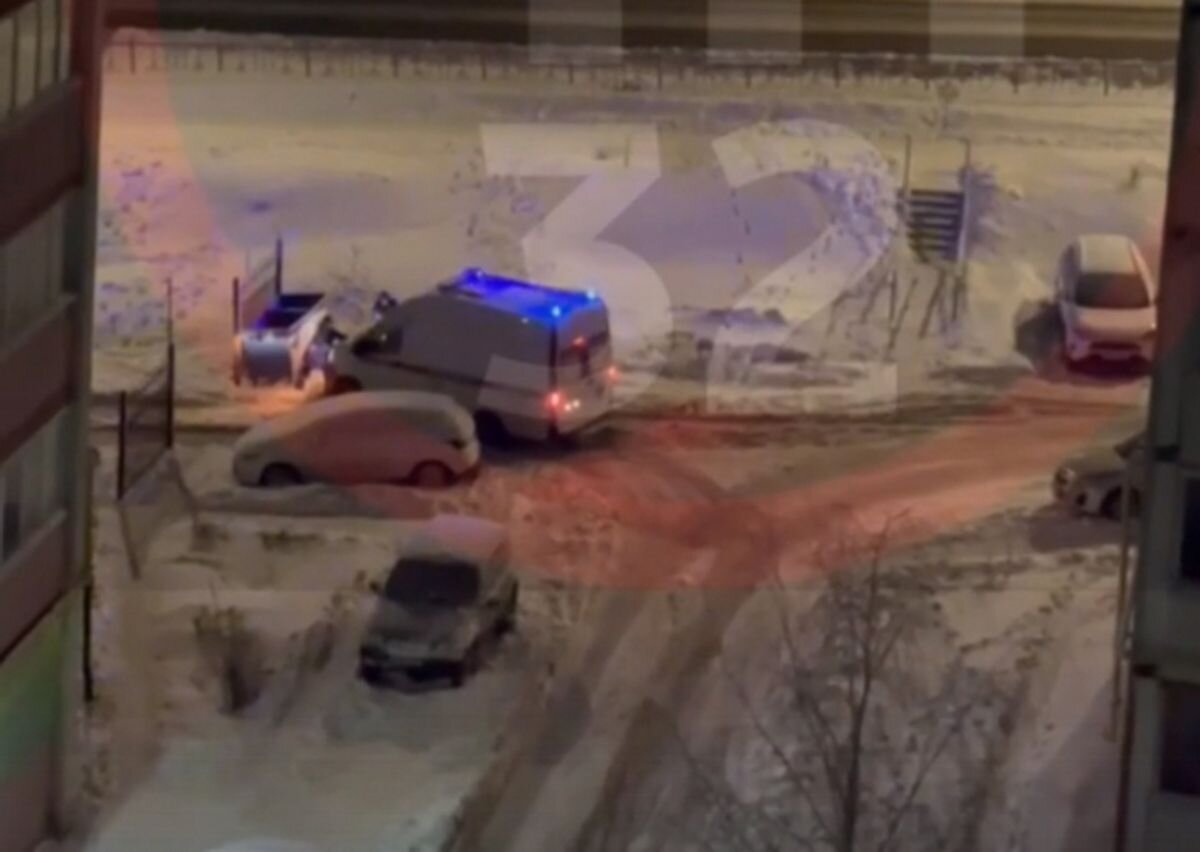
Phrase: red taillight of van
[612,374]
[555,401]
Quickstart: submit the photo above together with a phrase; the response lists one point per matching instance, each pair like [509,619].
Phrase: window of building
[26,83]
[1179,750]
[47,42]
[1189,550]
[33,485]
[8,65]
[63,40]
[13,505]
[32,271]
[25,277]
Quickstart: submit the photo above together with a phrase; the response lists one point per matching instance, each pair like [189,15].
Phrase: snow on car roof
[1111,253]
[463,536]
[377,401]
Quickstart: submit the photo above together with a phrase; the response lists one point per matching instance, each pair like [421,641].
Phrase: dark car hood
[417,629]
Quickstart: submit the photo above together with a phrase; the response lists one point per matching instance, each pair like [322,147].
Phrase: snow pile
[318,757]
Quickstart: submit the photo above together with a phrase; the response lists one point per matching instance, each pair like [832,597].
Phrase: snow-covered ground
[636,555]
[319,757]
[645,557]
[744,252]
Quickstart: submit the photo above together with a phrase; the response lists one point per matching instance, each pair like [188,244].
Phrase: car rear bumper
[1079,349]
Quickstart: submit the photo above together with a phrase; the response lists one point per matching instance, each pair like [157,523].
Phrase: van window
[582,353]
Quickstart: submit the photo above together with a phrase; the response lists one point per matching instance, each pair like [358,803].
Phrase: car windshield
[1111,290]
[432,581]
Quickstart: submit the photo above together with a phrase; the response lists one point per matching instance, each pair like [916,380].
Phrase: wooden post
[237,306]
[170,311]
[122,418]
[89,681]
[278,266]
[170,401]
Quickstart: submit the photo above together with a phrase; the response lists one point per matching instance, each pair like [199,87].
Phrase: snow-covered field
[743,237]
[319,756]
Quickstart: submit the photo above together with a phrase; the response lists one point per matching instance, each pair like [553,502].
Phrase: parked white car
[396,436]
[528,361]
[1106,298]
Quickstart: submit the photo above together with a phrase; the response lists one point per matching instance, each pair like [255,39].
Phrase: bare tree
[874,733]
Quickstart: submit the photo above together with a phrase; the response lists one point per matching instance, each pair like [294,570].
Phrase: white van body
[534,360]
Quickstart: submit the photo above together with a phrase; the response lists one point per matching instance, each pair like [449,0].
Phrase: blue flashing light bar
[477,282]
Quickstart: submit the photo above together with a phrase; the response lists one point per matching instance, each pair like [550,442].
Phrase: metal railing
[134,52]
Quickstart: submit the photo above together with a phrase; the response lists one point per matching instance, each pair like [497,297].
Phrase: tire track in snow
[516,805]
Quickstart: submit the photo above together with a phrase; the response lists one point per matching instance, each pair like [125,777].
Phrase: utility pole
[1159,807]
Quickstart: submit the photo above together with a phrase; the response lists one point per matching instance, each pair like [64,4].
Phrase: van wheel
[280,476]
[491,429]
[432,474]
[345,384]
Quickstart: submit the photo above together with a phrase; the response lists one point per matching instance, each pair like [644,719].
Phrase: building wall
[49,53]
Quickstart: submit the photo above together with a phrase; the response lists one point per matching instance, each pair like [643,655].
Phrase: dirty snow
[380,182]
[377,182]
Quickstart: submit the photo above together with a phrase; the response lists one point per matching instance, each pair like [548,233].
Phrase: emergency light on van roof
[532,300]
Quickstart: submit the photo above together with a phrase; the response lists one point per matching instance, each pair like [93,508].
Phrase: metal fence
[145,424]
[313,57]
[262,284]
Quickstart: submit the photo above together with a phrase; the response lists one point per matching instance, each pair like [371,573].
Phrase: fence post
[220,58]
[89,682]
[170,395]
[278,266]
[307,61]
[122,416]
[237,305]
[1107,76]
[170,311]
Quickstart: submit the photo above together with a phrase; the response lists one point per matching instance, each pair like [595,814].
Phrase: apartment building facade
[49,116]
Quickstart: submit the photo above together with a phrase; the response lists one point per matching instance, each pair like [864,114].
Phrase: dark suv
[447,599]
